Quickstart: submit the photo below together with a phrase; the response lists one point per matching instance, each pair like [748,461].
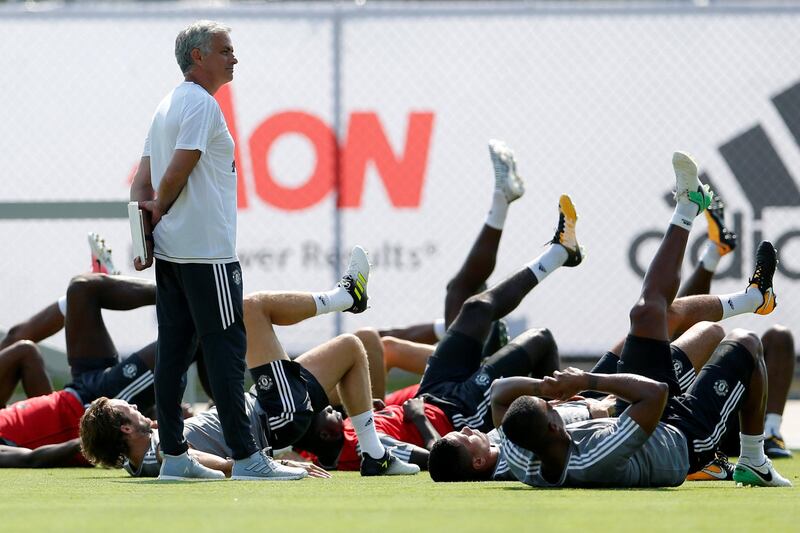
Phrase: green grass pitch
[88,500]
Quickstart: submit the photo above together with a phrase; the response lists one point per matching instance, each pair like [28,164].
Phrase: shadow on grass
[593,489]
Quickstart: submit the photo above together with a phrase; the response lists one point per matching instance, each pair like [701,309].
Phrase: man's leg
[22,362]
[87,295]
[646,350]
[721,241]
[779,356]
[480,261]
[40,326]
[371,340]
[478,312]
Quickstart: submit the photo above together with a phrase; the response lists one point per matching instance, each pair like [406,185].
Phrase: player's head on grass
[107,430]
[325,436]
[462,456]
[532,423]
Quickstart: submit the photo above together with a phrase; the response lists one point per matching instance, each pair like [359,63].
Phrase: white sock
[62,305]
[772,425]
[684,214]
[710,256]
[497,213]
[331,301]
[438,328]
[367,437]
[739,303]
[752,447]
[552,258]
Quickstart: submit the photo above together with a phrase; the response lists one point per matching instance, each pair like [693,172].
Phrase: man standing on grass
[187,182]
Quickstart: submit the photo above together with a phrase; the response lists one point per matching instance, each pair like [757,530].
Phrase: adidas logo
[765,181]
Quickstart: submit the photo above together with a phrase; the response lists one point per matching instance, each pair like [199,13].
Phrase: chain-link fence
[392,106]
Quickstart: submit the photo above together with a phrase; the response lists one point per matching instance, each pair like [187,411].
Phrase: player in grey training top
[203,432]
[610,452]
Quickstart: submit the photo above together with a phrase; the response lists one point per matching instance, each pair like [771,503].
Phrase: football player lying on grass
[288,397]
[663,434]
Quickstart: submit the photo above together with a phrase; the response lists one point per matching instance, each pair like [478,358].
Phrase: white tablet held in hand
[136,218]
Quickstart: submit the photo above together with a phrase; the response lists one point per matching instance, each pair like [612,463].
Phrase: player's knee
[82,283]
[368,335]
[778,335]
[28,353]
[648,311]
[712,330]
[353,346]
[250,306]
[749,340]
[477,306]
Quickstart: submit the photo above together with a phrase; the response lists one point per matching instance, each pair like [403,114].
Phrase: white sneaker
[388,465]
[688,188]
[101,255]
[763,475]
[506,178]
[261,467]
[185,467]
[355,279]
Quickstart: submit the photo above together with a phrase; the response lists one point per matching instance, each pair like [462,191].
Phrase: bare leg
[341,363]
[40,326]
[377,373]
[683,313]
[23,362]
[472,275]
[699,282]
[479,311]
[422,333]
[751,414]
[87,295]
[699,342]
[262,310]
[779,356]
[406,355]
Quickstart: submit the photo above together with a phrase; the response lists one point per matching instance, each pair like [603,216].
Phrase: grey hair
[196,35]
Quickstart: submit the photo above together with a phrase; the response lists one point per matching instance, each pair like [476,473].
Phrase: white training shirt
[200,227]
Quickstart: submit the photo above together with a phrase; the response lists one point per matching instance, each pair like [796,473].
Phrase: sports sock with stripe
[738,303]
[498,211]
[752,448]
[336,299]
[684,214]
[709,258]
[367,436]
[552,258]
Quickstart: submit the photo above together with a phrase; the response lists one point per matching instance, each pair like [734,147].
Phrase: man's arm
[174,180]
[647,397]
[142,185]
[506,390]
[414,409]
[212,461]
[49,456]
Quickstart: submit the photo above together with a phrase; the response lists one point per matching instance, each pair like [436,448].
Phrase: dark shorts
[649,358]
[681,366]
[290,397]
[457,382]
[128,380]
[702,413]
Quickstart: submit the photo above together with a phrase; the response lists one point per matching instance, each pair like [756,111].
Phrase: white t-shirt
[200,227]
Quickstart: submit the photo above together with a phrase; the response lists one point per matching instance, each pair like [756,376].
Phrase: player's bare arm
[506,390]
[647,397]
[414,410]
[49,456]
[174,180]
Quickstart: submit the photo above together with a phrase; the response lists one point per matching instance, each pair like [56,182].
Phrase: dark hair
[327,451]
[448,461]
[525,424]
[102,440]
